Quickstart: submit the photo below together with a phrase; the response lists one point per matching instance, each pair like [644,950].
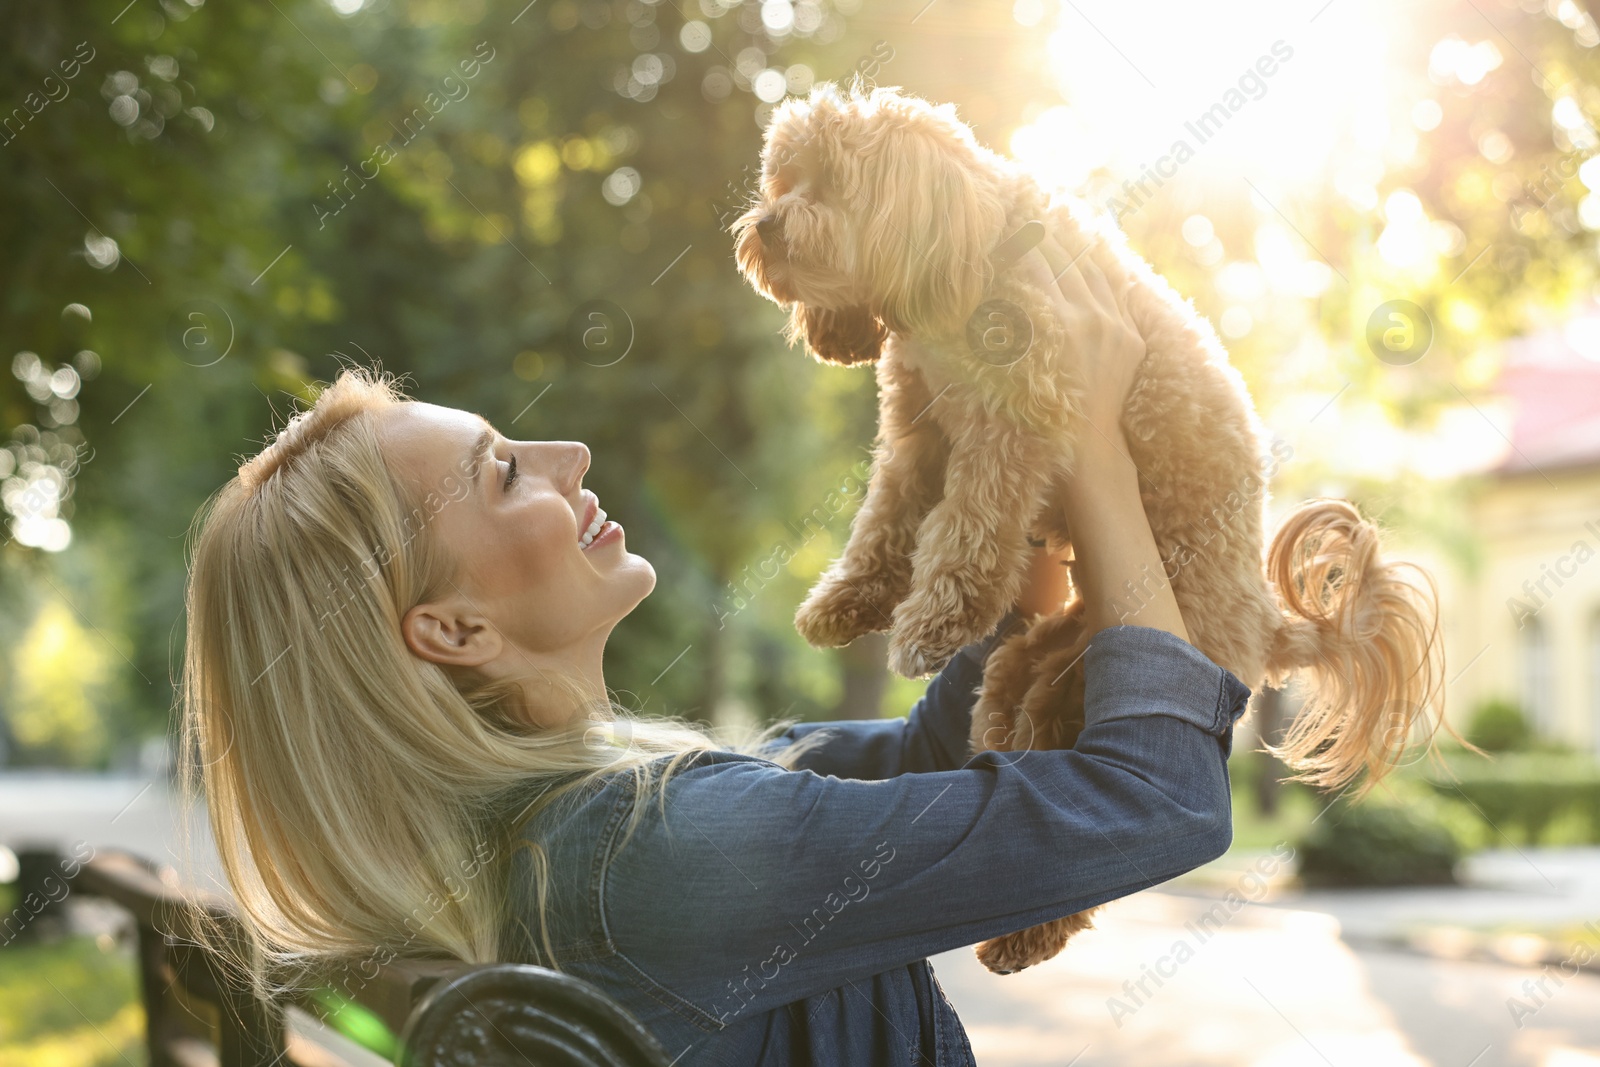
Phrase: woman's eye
[511,472]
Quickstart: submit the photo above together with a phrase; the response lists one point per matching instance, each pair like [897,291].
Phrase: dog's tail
[1366,631]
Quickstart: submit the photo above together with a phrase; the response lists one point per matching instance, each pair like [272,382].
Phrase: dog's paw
[911,661]
[991,723]
[922,642]
[1006,955]
[838,611]
[1007,674]
[1023,949]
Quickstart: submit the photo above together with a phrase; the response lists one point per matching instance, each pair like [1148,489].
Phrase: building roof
[1551,380]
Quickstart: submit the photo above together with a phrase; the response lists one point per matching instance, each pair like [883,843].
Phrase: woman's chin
[639,574]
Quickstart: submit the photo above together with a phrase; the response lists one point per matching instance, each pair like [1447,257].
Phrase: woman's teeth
[594,527]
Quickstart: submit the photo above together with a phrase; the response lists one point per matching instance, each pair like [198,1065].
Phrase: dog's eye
[791,179]
[787,170]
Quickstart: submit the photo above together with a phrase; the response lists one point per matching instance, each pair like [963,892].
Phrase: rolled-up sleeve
[814,881]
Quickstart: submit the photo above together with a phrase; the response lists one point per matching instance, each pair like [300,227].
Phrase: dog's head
[877,213]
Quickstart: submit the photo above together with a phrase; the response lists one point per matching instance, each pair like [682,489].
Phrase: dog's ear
[936,213]
[854,335]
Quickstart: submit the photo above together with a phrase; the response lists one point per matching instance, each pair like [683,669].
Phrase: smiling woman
[393,661]
[529,539]
[433,768]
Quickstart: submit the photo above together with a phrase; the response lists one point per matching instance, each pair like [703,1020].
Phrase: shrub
[1499,726]
[1400,837]
[1525,794]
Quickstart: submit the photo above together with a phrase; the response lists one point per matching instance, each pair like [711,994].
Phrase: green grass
[72,1003]
[1587,935]
[1253,832]
[1569,937]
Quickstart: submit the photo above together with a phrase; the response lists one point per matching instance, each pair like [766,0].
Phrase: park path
[1269,987]
[136,812]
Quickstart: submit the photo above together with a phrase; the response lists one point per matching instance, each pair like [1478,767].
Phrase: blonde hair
[362,799]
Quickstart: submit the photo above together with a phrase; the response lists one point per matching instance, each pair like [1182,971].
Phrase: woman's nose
[572,461]
[563,462]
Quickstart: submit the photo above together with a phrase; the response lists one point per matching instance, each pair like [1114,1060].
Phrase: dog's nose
[768,228]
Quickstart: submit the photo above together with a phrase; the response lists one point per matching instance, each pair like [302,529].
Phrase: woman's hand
[1119,568]
[1093,310]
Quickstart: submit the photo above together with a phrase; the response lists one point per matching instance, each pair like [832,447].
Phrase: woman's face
[513,515]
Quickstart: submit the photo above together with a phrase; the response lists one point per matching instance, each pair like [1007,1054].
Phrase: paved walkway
[1543,888]
[1269,987]
[57,809]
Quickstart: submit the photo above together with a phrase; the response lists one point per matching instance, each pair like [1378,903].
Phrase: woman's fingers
[1090,300]
[1063,275]
[1050,250]
[1082,282]
[1089,296]
[1100,285]
[1036,265]
[1067,291]
[1080,266]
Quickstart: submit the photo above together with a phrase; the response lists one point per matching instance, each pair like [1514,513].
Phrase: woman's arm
[1110,533]
[811,882]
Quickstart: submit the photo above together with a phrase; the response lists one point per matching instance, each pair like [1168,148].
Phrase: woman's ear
[854,335]
[442,634]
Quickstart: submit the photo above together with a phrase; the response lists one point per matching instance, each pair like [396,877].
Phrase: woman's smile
[610,533]
[595,528]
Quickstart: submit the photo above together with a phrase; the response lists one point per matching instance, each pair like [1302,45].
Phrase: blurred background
[1389,210]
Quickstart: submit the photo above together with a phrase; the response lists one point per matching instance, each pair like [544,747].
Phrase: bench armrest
[448,1014]
[510,1013]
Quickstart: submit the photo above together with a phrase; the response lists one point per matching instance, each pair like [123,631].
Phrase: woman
[393,685]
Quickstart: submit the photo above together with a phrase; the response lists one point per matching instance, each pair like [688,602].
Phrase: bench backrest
[418,1013]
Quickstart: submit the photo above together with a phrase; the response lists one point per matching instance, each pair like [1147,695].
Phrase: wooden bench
[411,1012]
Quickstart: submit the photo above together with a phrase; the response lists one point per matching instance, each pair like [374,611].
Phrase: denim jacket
[775,916]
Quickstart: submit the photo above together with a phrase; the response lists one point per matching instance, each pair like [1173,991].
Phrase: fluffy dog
[879,220]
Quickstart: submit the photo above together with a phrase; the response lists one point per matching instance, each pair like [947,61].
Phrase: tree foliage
[521,209]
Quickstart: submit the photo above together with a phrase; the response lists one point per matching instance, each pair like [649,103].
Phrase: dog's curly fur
[877,221]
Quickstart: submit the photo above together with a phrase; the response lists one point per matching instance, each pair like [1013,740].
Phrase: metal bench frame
[444,1013]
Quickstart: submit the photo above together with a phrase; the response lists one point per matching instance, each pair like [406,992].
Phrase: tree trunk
[1269,725]
[713,673]
[863,668]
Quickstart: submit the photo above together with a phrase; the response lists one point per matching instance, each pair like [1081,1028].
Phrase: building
[1523,622]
